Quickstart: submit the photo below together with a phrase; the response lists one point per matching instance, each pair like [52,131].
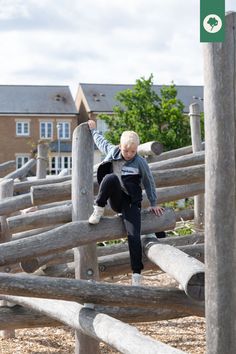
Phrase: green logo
[212,20]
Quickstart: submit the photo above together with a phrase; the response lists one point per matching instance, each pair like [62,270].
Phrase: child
[119,177]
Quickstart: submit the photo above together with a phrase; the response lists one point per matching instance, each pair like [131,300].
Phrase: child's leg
[132,221]
[110,188]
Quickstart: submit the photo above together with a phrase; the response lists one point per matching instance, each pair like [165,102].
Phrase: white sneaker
[96,215]
[137,279]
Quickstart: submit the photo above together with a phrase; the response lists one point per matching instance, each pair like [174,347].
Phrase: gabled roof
[29,99]
[101,97]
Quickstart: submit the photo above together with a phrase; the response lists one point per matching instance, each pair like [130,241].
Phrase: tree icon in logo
[212,23]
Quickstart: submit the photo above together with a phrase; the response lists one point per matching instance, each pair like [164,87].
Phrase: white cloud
[118,41]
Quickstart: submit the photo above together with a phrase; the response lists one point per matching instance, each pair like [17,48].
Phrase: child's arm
[103,145]
[150,188]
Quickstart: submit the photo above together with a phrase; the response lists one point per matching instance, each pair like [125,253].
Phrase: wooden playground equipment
[52,267]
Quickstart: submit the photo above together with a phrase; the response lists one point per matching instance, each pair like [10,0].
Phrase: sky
[67,42]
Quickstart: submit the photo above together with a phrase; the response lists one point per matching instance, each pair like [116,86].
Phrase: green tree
[153,117]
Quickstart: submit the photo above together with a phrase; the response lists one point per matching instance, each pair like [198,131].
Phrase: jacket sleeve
[148,182]
[102,144]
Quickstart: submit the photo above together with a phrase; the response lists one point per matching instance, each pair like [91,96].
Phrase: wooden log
[22,171]
[7,164]
[219,107]
[6,190]
[188,271]
[48,193]
[117,264]
[121,336]
[24,186]
[13,204]
[42,160]
[62,214]
[86,266]
[19,317]
[47,217]
[165,194]
[32,232]
[169,194]
[178,176]
[173,153]
[197,158]
[78,234]
[194,113]
[31,265]
[151,148]
[184,215]
[84,291]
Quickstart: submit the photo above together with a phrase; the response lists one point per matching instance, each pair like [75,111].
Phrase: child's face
[128,151]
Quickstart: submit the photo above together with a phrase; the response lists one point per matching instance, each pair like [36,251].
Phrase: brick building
[29,114]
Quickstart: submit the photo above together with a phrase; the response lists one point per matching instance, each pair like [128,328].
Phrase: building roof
[101,97]
[29,99]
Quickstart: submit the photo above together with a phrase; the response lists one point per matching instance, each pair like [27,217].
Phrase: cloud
[118,41]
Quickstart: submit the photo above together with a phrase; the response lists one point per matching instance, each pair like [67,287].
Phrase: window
[22,128]
[46,130]
[58,163]
[21,160]
[63,130]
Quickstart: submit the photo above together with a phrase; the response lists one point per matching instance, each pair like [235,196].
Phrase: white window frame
[60,162]
[61,130]
[23,124]
[47,135]
[21,160]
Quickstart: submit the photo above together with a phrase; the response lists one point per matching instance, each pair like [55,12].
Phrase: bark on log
[48,193]
[78,234]
[194,113]
[41,218]
[219,107]
[13,204]
[121,336]
[62,214]
[179,176]
[197,158]
[7,164]
[6,190]
[31,265]
[19,317]
[117,264]
[23,171]
[84,291]
[173,153]
[188,271]
[151,148]
[86,266]
[42,161]
[166,194]
[24,186]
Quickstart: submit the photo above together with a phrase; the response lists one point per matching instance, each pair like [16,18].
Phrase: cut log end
[29,266]
[196,288]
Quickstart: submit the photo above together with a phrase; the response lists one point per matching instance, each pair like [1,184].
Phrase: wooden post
[86,266]
[219,107]
[42,161]
[6,190]
[194,113]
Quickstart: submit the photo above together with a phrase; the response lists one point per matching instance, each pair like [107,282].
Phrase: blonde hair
[129,137]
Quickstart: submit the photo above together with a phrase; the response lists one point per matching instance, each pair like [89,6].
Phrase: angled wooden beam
[119,335]
[78,234]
